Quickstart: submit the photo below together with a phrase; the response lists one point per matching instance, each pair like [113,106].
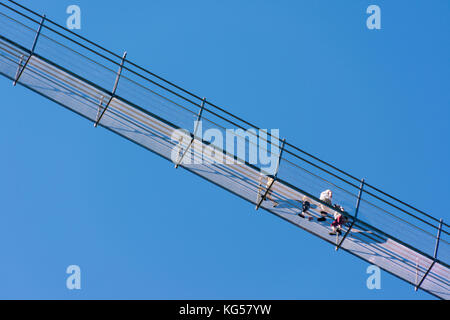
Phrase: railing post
[199,117]
[438,238]
[119,73]
[100,105]
[417,270]
[21,70]
[260,201]
[355,217]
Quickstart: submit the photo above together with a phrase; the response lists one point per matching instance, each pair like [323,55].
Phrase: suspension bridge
[119,95]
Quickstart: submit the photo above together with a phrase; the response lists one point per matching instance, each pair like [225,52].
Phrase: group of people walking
[339,218]
[326,198]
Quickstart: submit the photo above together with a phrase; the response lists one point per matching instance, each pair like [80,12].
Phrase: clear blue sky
[138,228]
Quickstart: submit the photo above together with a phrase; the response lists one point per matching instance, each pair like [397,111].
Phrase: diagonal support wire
[116,83]
[274,178]
[438,237]
[199,117]
[21,70]
[355,217]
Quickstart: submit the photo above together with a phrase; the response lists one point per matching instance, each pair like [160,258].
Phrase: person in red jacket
[339,220]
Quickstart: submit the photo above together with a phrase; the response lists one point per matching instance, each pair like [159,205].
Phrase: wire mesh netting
[222,148]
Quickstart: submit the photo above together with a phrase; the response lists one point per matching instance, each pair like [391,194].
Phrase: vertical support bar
[116,83]
[273,179]
[426,274]
[38,33]
[260,187]
[199,117]
[102,98]
[438,237]
[279,158]
[265,194]
[417,270]
[355,217]
[359,198]
[19,66]
[119,73]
